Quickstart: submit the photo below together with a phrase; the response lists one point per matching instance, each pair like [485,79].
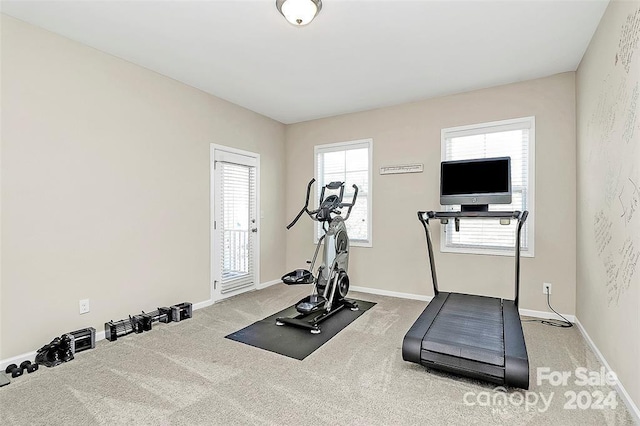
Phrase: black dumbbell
[14,370]
[27,365]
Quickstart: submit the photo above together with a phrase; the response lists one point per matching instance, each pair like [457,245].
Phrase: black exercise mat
[296,342]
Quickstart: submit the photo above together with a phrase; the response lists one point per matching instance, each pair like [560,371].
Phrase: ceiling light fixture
[299,12]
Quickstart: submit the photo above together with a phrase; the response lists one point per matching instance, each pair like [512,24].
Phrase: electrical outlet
[546,288]
[84,306]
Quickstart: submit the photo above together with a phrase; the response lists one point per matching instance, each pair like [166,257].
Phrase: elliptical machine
[331,284]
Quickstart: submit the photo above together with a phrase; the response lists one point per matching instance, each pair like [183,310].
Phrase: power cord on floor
[554,323]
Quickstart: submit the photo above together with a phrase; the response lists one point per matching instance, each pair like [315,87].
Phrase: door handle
[254,229]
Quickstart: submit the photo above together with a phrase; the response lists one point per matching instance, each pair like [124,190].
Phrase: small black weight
[14,370]
[30,367]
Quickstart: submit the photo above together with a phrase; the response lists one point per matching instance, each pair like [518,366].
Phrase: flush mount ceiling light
[299,12]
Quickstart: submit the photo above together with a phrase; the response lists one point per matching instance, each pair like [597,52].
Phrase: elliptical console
[331,282]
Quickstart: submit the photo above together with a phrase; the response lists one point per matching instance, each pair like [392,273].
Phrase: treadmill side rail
[516,361]
[412,343]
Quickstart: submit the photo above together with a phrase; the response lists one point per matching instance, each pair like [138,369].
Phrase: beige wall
[410,133]
[105,187]
[608,157]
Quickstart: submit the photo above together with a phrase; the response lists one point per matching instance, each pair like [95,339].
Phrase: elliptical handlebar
[352,203]
[311,213]
[306,205]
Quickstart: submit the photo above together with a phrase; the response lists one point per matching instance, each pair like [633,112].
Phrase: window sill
[487,252]
[367,244]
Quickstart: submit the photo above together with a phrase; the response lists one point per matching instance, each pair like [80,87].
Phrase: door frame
[212,217]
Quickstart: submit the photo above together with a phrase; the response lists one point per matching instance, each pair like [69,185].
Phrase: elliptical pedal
[311,304]
[298,276]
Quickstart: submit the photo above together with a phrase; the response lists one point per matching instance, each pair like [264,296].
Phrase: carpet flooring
[187,373]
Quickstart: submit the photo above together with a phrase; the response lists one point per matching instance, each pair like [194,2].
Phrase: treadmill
[475,336]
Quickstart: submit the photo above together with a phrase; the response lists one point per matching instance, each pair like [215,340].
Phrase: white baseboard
[391,293]
[631,406]
[259,286]
[267,284]
[524,312]
[202,304]
[545,315]
[17,360]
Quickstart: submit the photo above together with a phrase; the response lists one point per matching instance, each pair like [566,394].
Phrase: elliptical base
[311,321]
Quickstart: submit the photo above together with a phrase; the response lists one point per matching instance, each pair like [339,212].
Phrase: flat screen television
[474,184]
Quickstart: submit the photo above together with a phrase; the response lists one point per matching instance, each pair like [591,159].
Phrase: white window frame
[490,127]
[343,146]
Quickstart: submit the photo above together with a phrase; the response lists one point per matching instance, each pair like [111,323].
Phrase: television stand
[474,208]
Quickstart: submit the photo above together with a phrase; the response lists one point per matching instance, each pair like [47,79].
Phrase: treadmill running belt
[469,327]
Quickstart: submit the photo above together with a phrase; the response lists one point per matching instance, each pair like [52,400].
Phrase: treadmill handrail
[521,217]
[475,215]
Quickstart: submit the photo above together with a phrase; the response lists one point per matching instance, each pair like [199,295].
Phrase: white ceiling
[356,55]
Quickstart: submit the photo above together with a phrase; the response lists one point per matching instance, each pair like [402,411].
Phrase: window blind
[237,213]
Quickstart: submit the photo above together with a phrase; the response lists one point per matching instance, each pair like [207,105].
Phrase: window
[348,162]
[516,139]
